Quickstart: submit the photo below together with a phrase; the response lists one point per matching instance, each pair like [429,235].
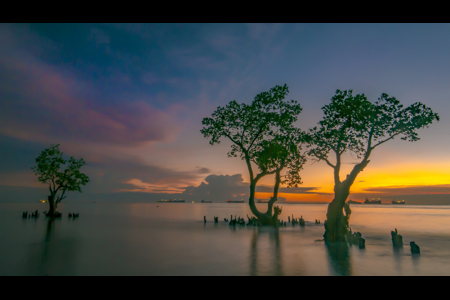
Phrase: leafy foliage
[261,132]
[48,165]
[352,123]
[282,151]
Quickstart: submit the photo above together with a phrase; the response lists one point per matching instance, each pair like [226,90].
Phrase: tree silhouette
[354,124]
[261,133]
[47,168]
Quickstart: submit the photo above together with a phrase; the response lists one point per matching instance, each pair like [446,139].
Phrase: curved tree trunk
[336,225]
[267,218]
[275,193]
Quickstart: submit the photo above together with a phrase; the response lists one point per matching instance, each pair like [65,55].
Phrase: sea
[172,239]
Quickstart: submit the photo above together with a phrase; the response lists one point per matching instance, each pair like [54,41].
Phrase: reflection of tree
[274,239]
[53,256]
[39,256]
[339,258]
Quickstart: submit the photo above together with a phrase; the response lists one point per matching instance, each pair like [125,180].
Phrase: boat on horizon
[262,201]
[353,202]
[398,201]
[170,201]
[235,201]
[367,201]
[206,201]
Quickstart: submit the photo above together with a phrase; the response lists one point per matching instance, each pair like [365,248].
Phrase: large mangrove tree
[354,124]
[263,134]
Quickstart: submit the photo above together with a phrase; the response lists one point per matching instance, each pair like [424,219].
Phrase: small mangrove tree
[48,169]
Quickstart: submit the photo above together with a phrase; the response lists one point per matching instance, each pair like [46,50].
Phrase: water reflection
[270,253]
[398,256]
[339,258]
[54,255]
[416,261]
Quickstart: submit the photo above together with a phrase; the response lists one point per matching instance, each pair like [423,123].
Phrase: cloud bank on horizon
[129,99]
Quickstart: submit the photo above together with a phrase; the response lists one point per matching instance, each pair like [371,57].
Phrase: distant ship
[235,201]
[206,201]
[353,202]
[367,201]
[262,201]
[398,202]
[170,201]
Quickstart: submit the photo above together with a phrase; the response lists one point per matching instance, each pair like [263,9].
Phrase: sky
[130,98]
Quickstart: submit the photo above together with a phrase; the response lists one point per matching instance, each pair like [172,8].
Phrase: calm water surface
[172,239]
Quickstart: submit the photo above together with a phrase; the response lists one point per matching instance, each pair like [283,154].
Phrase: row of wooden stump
[353,238]
[26,215]
[397,242]
[255,222]
[35,214]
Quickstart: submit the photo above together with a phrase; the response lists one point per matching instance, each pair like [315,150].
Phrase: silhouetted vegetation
[262,133]
[47,168]
[354,124]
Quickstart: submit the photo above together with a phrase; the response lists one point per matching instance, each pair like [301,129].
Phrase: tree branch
[369,144]
[390,138]
[249,165]
[337,168]
[228,136]
[262,174]
[61,197]
[322,157]
[254,139]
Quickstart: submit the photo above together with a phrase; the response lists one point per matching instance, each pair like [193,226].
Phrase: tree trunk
[275,193]
[251,200]
[52,213]
[268,218]
[336,225]
[262,217]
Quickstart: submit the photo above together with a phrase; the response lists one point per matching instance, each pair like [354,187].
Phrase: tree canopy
[255,129]
[48,169]
[352,123]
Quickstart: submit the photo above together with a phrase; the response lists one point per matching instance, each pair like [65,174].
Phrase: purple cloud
[45,103]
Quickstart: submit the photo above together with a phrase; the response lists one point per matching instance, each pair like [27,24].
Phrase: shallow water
[172,239]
